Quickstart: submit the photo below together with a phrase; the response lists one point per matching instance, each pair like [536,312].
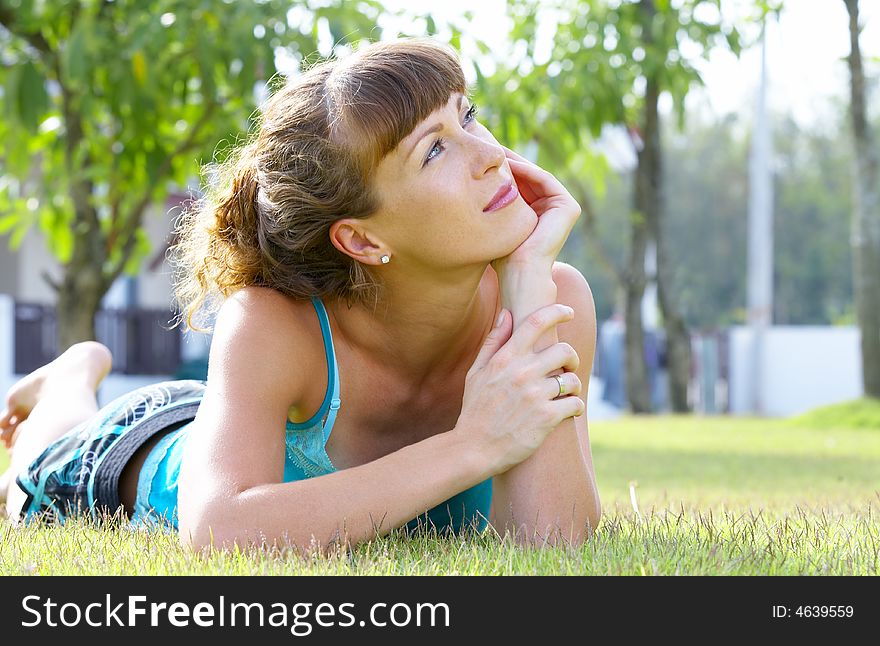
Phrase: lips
[505,195]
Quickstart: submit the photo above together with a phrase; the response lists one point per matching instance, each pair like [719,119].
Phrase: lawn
[681,495]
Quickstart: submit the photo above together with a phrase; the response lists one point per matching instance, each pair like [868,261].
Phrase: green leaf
[58,233]
[18,235]
[10,93]
[8,221]
[139,67]
[75,57]
[33,101]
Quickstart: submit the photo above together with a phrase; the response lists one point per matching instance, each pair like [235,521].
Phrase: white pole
[760,239]
[650,308]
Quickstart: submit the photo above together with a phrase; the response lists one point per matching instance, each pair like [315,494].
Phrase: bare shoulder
[572,289]
[260,330]
[572,286]
[258,366]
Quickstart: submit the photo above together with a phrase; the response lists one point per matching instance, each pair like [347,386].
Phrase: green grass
[681,495]
[860,413]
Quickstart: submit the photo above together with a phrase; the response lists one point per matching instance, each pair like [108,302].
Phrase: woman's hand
[511,400]
[556,209]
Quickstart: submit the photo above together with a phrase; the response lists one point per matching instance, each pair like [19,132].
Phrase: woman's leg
[45,405]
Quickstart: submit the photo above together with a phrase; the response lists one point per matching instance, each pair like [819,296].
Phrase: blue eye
[438,144]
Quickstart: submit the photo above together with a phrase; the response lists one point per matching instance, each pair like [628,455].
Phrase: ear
[350,237]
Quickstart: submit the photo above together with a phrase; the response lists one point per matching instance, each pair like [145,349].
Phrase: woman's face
[434,189]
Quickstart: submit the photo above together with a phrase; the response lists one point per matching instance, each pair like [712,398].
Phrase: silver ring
[558,379]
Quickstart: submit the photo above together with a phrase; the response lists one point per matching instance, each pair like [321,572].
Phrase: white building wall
[154,287]
[7,345]
[34,259]
[8,267]
[803,367]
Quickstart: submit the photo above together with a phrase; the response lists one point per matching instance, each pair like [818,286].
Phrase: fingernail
[500,318]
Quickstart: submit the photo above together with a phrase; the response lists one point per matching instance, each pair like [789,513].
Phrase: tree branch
[34,38]
[50,281]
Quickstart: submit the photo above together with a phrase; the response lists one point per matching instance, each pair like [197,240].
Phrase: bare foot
[89,360]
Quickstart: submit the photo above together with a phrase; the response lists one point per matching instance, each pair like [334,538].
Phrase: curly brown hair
[265,218]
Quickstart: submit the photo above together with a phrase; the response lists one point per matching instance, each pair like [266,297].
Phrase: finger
[7,434]
[4,418]
[540,189]
[566,407]
[571,385]
[559,355]
[524,185]
[7,431]
[496,338]
[544,183]
[536,324]
[512,154]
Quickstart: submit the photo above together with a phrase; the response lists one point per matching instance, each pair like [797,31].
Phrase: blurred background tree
[865,212]
[109,105]
[706,179]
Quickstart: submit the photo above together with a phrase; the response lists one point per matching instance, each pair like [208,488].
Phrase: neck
[425,329]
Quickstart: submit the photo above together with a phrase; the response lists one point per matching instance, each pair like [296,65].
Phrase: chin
[525,222]
[516,230]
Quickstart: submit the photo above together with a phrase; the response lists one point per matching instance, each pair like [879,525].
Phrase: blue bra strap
[332,369]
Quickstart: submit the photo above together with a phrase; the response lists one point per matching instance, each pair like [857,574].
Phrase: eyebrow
[435,128]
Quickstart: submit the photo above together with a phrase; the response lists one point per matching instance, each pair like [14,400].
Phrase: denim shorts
[79,473]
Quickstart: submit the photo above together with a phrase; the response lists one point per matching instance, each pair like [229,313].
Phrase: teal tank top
[305,457]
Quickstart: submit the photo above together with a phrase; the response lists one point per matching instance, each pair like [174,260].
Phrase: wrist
[524,265]
[524,292]
[475,454]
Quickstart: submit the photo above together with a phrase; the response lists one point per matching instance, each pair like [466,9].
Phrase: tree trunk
[637,392]
[83,284]
[678,344]
[79,297]
[637,388]
[865,216]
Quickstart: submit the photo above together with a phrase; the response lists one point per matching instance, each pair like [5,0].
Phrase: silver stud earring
[385,259]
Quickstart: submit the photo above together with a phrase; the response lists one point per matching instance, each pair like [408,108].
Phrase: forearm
[351,505]
[525,290]
[553,492]
[551,495]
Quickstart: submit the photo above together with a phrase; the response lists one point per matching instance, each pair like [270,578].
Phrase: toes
[8,425]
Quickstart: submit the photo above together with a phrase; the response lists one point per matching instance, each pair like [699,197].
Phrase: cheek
[445,194]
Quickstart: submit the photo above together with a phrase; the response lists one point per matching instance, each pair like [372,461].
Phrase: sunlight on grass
[860,413]
[708,462]
[681,495]
[689,542]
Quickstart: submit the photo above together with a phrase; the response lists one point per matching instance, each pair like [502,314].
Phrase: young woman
[357,254]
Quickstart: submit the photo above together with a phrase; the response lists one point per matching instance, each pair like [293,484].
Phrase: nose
[488,155]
